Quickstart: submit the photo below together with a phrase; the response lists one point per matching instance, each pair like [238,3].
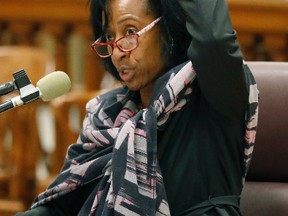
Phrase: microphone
[47,88]
[53,85]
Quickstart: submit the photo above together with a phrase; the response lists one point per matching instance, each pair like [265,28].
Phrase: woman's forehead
[118,7]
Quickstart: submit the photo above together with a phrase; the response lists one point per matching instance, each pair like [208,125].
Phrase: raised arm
[216,56]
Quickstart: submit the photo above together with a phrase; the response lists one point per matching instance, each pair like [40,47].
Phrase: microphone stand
[6,106]
[28,92]
[7,88]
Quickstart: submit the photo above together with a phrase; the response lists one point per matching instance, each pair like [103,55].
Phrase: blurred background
[44,36]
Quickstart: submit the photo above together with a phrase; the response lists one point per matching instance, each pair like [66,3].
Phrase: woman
[171,140]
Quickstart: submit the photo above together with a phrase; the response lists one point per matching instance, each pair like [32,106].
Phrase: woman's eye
[130,31]
[109,38]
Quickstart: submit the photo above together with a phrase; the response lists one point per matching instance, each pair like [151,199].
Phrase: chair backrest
[19,141]
[266,188]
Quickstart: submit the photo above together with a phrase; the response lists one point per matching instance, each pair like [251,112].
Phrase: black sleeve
[215,55]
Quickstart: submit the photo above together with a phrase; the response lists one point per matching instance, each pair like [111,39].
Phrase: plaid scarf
[118,148]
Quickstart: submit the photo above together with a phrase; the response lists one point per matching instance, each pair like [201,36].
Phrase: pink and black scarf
[118,148]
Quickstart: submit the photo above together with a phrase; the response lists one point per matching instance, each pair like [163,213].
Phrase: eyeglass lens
[127,43]
[104,50]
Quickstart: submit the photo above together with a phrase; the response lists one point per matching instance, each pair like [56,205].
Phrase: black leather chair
[266,189]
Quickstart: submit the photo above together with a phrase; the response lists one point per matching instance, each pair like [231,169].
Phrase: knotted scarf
[117,147]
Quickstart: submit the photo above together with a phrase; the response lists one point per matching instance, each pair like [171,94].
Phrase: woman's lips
[126,73]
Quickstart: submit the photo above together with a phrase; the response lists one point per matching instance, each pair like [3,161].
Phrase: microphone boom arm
[7,88]
[28,92]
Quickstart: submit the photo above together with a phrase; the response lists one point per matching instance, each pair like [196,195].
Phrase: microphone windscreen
[54,85]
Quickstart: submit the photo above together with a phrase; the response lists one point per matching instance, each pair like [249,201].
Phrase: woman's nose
[118,53]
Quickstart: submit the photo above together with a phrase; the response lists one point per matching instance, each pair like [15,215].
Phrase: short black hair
[175,38]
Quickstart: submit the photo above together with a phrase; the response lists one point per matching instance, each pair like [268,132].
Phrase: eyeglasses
[126,43]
